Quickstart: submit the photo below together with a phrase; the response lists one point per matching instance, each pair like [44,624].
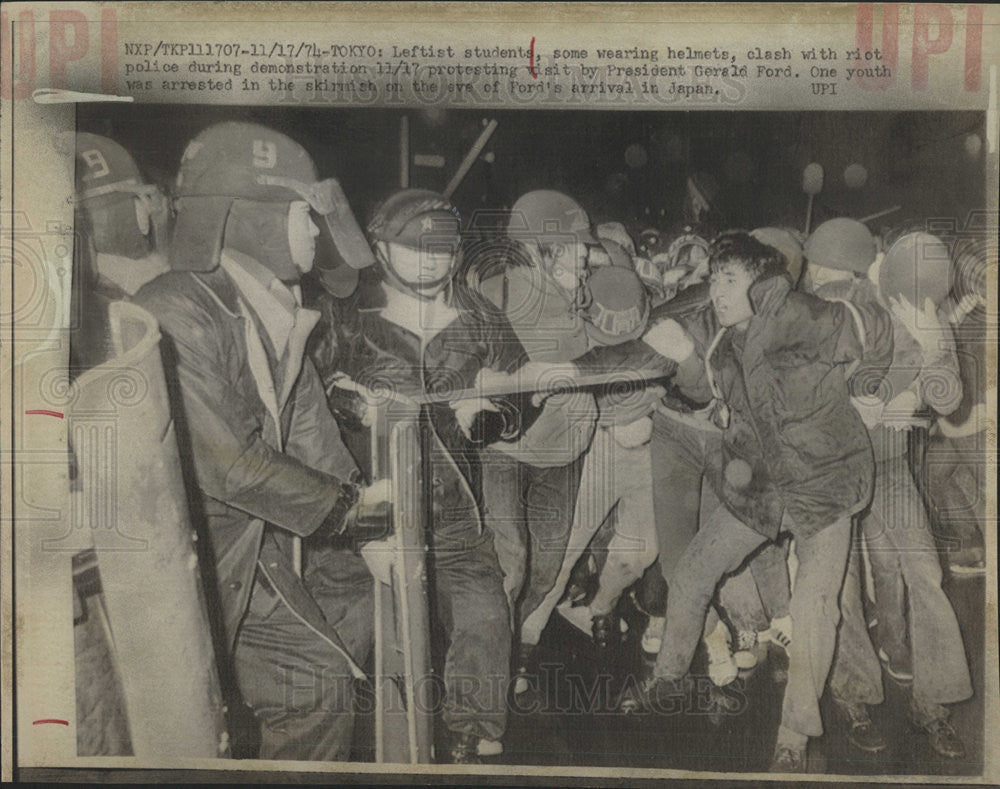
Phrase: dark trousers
[471,606]
[299,685]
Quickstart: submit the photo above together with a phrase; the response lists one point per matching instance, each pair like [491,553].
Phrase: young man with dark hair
[795,458]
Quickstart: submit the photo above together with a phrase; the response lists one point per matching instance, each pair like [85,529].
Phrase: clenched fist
[669,339]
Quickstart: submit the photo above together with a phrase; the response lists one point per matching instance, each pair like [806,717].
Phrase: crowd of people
[771,436]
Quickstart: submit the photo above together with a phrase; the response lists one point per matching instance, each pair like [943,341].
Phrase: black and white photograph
[481,441]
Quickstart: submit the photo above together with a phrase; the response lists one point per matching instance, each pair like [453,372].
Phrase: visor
[199,224]
[336,221]
[687,248]
[128,186]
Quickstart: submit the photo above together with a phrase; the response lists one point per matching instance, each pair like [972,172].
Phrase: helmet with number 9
[235,181]
[234,188]
[116,202]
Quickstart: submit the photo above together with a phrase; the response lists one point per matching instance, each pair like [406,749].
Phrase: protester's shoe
[606,630]
[788,759]
[898,671]
[777,658]
[464,749]
[861,732]
[653,694]
[944,739]
[721,668]
[652,637]
[746,652]
[489,747]
[780,633]
[720,705]
[967,562]
[523,668]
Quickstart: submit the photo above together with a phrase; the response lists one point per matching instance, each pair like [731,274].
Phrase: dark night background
[930,163]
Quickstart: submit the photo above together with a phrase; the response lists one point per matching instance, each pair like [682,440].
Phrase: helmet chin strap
[423,294]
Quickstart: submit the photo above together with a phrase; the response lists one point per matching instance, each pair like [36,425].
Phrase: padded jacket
[795,445]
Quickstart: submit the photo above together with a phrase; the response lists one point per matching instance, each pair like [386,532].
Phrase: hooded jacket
[795,445]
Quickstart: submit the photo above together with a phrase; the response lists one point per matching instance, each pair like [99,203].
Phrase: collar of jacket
[221,286]
[256,282]
[766,295]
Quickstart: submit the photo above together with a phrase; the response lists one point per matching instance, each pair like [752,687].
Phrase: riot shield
[403,714]
[131,505]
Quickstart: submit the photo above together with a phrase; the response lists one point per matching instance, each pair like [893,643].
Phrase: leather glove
[360,514]
[507,421]
[486,420]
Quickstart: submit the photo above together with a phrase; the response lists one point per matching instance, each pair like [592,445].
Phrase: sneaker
[861,733]
[967,562]
[898,671]
[788,759]
[489,747]
[745,655]
[464,749]
[944,738]
[652,636]
[779,633]
[523,668]
[721,668]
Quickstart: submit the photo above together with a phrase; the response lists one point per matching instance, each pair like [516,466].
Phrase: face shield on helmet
[618,307]
[916,267]
[674,263]
[124,216]
[421,271]
[235,179]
